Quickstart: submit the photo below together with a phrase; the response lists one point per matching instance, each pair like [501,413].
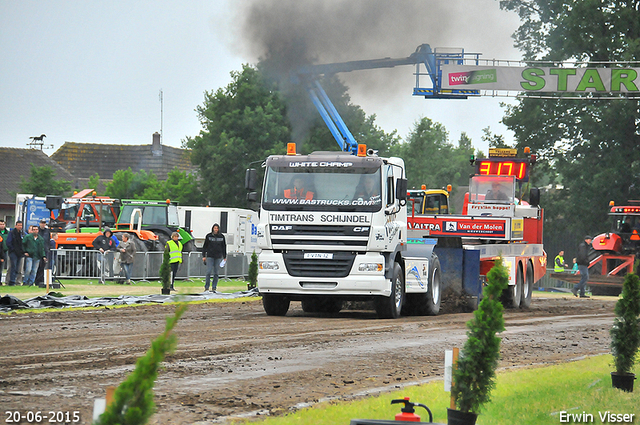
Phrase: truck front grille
[339,266]
[302,234]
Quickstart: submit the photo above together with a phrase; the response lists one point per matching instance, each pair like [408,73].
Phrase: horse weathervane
[38,141]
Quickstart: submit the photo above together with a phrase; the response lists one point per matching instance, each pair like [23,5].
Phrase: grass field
[92,288]
[543,395]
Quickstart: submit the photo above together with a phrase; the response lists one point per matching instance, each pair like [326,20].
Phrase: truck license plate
[318,256]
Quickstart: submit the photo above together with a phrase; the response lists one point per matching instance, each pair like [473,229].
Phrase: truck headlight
[370,267]
[268,265]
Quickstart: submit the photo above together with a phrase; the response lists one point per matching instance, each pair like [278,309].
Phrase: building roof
[83,160]
[16,163]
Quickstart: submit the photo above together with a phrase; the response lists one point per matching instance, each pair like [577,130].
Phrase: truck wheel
[427,303]
[275,305]
[391,306]
[527,288]
[162,240]
[513,294]
[432,304]
[140,245]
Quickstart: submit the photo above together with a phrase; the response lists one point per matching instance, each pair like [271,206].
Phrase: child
[574,270]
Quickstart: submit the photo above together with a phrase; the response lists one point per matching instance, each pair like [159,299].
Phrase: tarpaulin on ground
[9,302]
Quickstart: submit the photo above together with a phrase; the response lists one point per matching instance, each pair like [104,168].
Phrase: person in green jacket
[34,252]
[4,263]
[558,263]
[175,255]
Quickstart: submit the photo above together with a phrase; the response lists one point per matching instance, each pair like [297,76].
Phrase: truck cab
[332,228]
[425,201]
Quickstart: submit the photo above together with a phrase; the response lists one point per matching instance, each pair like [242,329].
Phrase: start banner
[542,79]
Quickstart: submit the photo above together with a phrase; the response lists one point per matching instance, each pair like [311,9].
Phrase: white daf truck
[327,236]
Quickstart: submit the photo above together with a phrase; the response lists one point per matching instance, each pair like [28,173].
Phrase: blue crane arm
[423,55]
[331,117]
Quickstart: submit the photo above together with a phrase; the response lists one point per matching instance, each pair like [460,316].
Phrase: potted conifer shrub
[133,400]
[474,377]
[253,271]
[165,273]
[625,334]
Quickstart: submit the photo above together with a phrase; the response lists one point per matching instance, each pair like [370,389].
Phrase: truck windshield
[492,189]
[151,215]
[322,189]
[626,223]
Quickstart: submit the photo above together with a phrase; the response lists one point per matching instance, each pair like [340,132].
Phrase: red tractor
[613,253]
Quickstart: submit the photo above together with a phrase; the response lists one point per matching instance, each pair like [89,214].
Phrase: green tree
[141,185]
[242,123]
[625,333]
[253,271]
[43,181]
[165,270]
[255,116]
[474,377]
[589,145]
[94,181]
[183,188]
[431,159]
[133,400]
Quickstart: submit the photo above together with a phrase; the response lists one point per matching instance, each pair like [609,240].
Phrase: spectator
[34,252]
[574,270]
[16,250]
[214,251]
[45,234]
[175,256]
[558,263]
[583,267]
[4,233]
[105,245]
[127,255]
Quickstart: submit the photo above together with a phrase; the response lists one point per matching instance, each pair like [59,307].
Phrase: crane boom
[423,56]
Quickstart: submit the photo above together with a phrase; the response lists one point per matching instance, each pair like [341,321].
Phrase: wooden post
[456,351]
[47,278]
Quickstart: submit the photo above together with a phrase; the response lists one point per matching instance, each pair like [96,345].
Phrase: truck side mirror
[534,196]
[252,197]
[401,191]
[250,179]
[53,202]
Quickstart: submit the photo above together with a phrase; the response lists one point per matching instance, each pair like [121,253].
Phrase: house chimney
[156,147]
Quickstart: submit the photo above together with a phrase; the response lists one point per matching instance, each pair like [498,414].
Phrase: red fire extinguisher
[408,412]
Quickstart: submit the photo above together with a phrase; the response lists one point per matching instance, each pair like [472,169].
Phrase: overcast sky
[89,71]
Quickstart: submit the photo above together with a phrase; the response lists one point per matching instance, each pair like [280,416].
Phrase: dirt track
[232,359]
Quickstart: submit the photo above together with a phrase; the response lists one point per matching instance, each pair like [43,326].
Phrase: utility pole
[161,114]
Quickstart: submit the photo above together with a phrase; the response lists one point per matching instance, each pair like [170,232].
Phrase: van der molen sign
[542,79]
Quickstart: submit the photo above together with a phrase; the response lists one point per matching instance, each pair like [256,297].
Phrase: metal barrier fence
[548,282]
[73,263]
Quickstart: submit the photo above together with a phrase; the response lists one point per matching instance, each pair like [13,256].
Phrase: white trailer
[238,225]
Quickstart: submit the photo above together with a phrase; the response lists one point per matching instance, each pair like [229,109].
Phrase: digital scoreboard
[517,167]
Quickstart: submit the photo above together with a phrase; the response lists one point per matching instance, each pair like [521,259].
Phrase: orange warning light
[362,150]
